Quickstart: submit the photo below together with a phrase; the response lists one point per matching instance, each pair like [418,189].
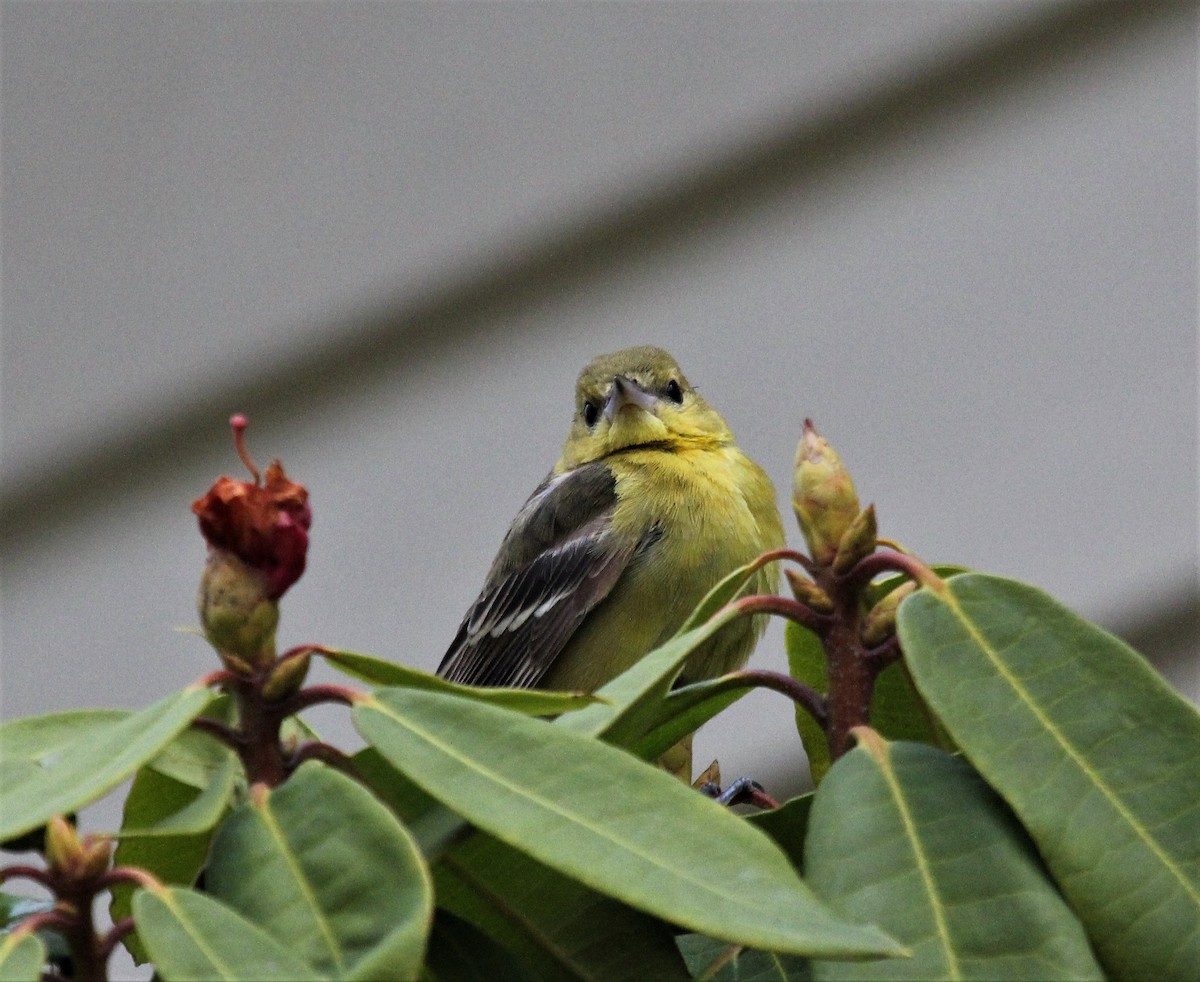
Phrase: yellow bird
[650,504]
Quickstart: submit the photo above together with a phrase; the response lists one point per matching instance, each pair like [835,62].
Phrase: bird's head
[633,398]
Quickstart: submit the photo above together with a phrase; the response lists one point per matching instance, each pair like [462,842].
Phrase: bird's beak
[626,392]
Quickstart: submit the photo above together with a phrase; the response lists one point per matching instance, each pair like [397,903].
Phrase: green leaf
[197,816]
[788,826]
[22,956]
[897,710]
[806,663]
[722,962]
[1094,752]
[172,857]
[534,702]
[557,927]
[195,757]
[90,765]
[326,869]
[631,700]
[596,814]
[685,710]
[37,738]
[908,837]
[726,590]
[899,713]
[459,952]
[191,936]
[554,923]
[881,588]
[14,909]
[432,825]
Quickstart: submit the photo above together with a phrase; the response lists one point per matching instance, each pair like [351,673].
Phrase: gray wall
[962,237]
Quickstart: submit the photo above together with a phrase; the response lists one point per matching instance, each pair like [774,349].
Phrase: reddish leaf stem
[27,873]
[315,695]
[129,874]
[884,654]
[792,554]
[55,920]
[113,937]
[785,607]
[221,677]
[227,735]
[797,691]
[319,750]
[891,561]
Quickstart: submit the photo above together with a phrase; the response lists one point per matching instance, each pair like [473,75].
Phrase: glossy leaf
[327,870]
[89,766]
[686,709]
[596,814]
[14,909]
[194,757]
[722,962]
[1098,757]
[38,738]
[192,937]
[806,663]
[534,702]
[558,927]
[197,816]
[725,591]
[897,710]
[433,826]
[788,826]
[631,700]
[460,952]
[172,858]
[899,713]
[22,956]
[906,836]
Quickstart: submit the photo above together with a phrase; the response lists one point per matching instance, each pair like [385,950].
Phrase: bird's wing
[560,558]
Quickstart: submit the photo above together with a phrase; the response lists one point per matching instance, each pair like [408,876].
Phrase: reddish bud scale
[265,526]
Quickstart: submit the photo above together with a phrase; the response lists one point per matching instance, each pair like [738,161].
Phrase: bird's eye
[674,392]
[590,413]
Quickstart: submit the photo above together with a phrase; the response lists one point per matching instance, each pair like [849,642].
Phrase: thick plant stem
[255,737]
[851,680]
[88,960]
[258,737]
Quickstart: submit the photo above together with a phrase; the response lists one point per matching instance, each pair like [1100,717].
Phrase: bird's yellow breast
[713,509]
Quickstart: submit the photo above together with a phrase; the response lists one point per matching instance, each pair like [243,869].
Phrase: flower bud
[880,623]
[75,858]
[822,495]
[265,526]
[238,616]
[63,848]
[858,542]
[97,856]
[257,538]
[808,593]
[286,677]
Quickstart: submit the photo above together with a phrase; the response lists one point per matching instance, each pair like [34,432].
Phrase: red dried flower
[264,525]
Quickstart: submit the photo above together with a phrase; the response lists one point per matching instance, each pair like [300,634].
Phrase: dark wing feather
[560,558]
